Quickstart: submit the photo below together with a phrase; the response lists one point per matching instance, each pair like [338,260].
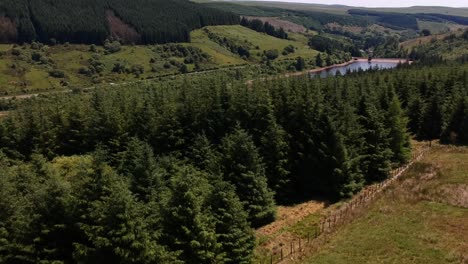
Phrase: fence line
[329,223]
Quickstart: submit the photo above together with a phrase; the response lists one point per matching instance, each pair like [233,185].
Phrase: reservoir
[356,65]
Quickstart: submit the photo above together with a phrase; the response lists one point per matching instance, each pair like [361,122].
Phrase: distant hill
[90,21]
[319,17]
[408,20]
[343,9]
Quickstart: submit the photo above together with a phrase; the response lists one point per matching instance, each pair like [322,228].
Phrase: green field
[424,219]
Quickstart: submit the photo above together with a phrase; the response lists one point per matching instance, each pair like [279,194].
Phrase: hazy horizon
[380,3]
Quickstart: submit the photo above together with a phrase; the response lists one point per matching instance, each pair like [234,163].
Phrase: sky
[384,3]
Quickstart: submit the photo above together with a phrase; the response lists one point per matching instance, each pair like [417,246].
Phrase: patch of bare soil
[8,32]
[120,30]
[278,23]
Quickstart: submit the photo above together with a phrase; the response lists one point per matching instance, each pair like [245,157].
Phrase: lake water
[355,66]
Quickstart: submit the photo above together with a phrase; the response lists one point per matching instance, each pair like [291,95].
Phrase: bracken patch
[8,32]
[121,31]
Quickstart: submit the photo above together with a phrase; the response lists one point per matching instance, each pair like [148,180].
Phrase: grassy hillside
[451,45]
[21,72]
[423,219]
[427,10]
[29,68]
[262,41]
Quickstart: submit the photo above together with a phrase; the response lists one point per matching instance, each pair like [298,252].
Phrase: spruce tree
[397,126]
[233,231]
[333,173]
[433,120]
[138,164]
[112,223]
[457,129]
[415,114]
[376,155]
[242,167]
[203,155]
[319,60]
[189,227]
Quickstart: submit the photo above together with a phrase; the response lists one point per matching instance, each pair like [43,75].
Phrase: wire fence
[319,232]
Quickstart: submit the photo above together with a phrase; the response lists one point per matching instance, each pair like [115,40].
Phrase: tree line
[180,171]
[264,27]
[85,21]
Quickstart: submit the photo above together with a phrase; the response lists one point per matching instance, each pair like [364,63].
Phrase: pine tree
[112,223]
[232,228]
[242,167]
[433,120]
[319,60]
[397,126]
[375,161]
[415,114]
[138,164]
[203,155]
[333,172]
[328,60]
[457,129]
[188,225]
[300,64]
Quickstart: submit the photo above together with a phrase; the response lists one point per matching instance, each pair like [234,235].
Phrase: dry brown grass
[122,31]
[423,218]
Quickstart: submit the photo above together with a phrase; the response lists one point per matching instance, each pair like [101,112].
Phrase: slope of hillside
[256,43]
[343,9]
[37,67]
[422,219]
[88,21]
[452,45]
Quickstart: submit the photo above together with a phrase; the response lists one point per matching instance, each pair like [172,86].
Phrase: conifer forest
[185,166]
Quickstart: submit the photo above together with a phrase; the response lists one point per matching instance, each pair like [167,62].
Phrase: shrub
[272,54]
[92,48]
[426,32]
[112,47]
[289,49]
[36,56]
[85,71]
[183,69]
[16,52]
[57,73]
[119,68]
[137,69]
